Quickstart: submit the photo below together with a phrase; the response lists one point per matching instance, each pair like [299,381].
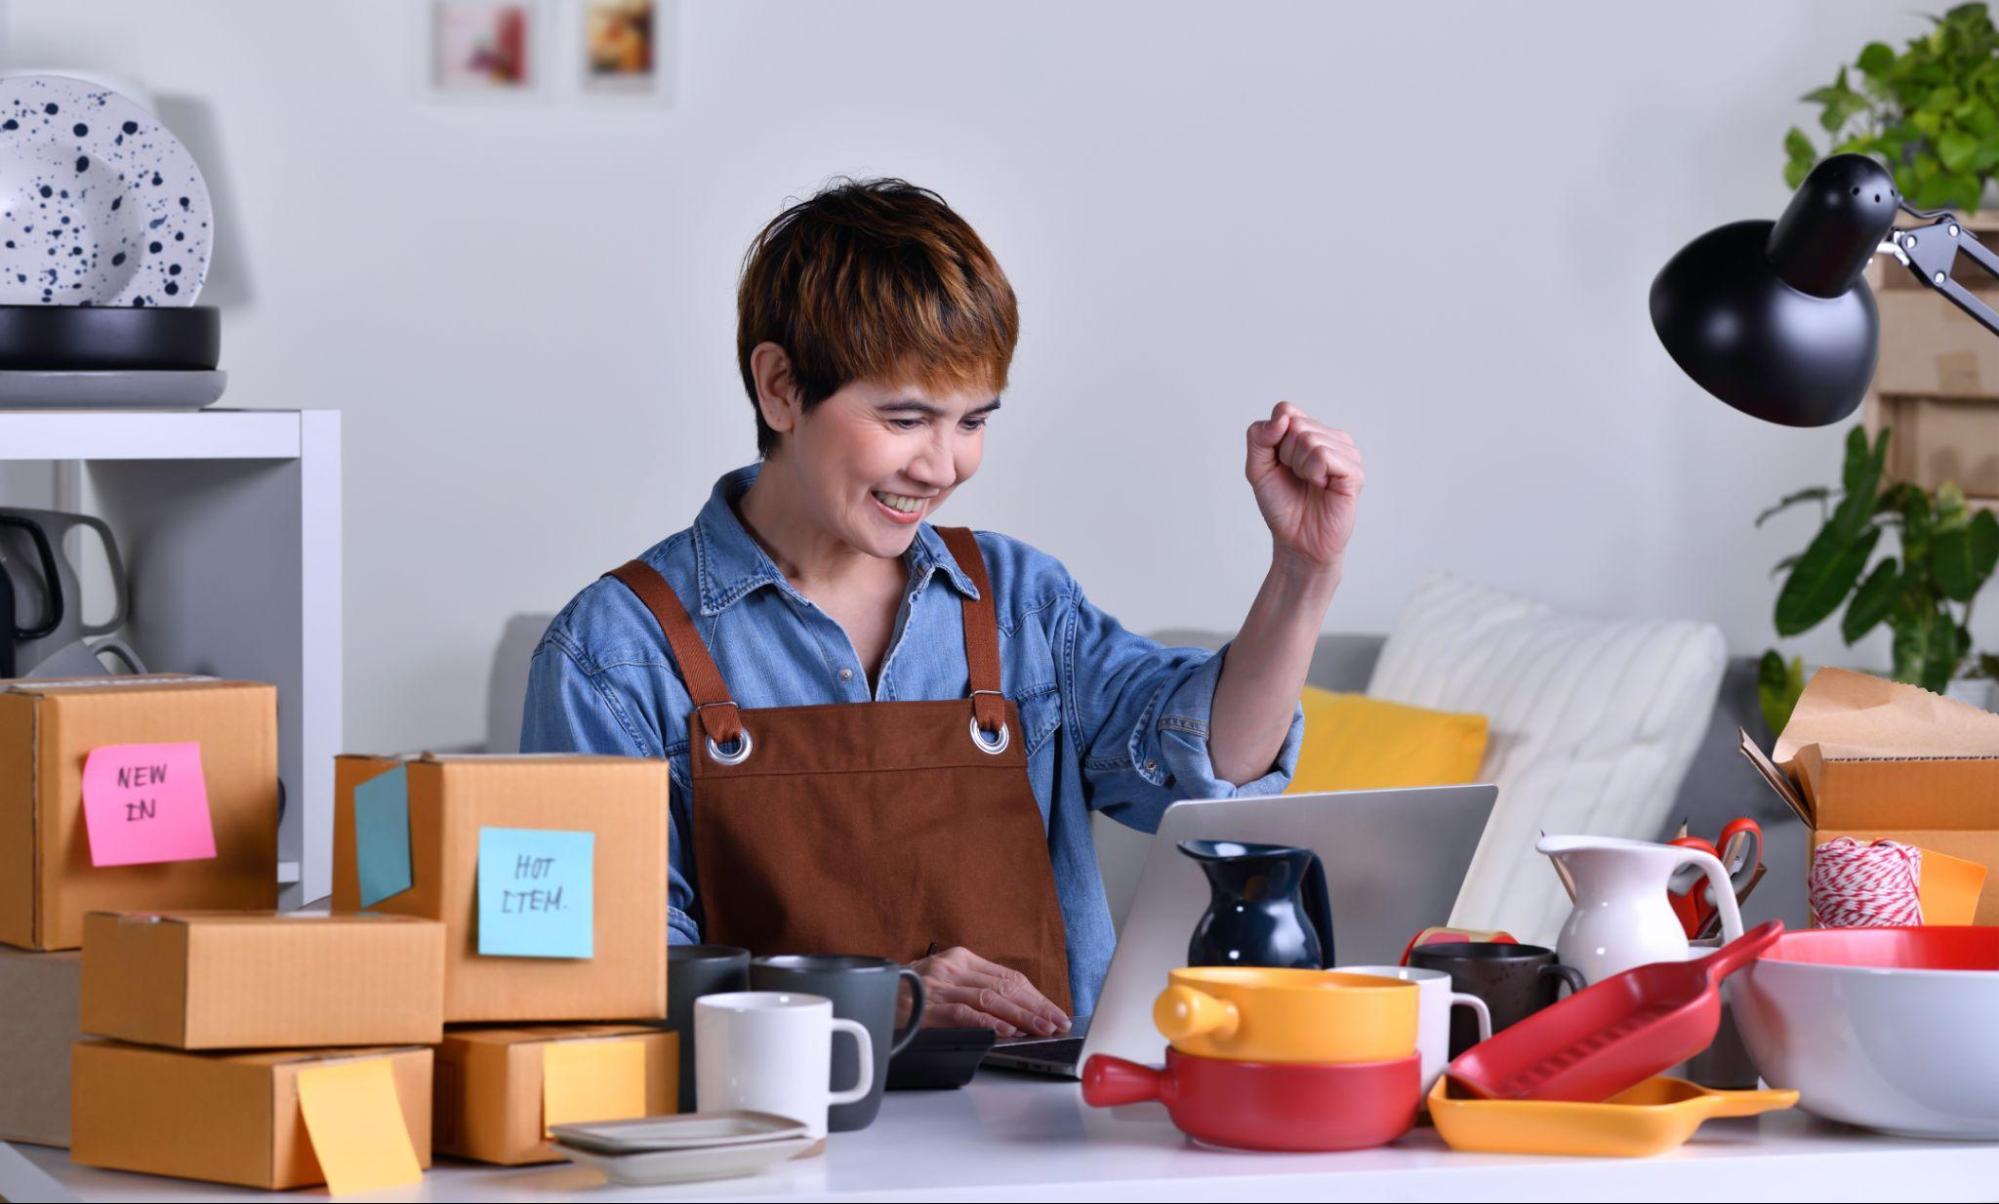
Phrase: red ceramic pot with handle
[1279,1106]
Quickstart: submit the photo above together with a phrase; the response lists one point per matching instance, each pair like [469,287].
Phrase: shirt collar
[731,564]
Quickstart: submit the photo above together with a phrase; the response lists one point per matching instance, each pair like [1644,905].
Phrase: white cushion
[1594,724]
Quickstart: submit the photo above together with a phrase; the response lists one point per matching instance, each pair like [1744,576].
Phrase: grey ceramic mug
[691,972]
[862,989]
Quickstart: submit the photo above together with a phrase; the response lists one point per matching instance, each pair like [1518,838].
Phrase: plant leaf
[1862,477]
[1911,645]
[1956,149]
[1962,557]
[1872,602]
[1929,645]
[1778,685]
[1876,58]
[1822,578]
[1817,493]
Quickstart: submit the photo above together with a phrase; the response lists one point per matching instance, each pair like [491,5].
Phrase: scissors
[1739,848]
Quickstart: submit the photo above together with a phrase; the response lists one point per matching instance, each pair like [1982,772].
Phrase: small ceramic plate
[99,204]
[131,390]
[685,1131]
[689,1165]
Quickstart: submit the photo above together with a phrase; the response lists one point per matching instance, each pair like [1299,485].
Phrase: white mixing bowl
[1895,1029]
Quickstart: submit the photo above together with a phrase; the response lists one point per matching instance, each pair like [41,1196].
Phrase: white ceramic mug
[1434,1001]
[772,1051]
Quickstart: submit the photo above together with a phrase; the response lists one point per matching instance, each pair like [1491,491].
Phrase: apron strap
[982,656]
[719,716]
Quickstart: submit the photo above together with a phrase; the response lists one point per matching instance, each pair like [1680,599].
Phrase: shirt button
[846,675]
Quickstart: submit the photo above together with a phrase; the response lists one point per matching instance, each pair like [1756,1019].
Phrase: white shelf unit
[229,525]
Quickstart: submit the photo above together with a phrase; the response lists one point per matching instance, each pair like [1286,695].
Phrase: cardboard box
[47,878]
[489,1086]
[263,980]
[621,801]
[1930,348]
[1938,440]
[38,1009]
[1870,758]
[226,1118]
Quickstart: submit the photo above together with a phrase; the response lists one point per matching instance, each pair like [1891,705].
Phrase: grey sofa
[1719,785]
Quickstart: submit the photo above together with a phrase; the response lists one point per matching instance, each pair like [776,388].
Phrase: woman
[937,811]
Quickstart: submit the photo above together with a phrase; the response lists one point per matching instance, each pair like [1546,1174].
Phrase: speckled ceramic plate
[99,204]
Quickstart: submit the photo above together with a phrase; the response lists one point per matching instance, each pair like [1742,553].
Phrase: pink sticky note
[145,803]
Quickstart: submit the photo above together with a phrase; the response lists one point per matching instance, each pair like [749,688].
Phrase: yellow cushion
[1353,742]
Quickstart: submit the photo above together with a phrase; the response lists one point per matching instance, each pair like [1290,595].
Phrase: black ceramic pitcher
[1269,906]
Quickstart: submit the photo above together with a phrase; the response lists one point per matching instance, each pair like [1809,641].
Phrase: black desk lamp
[1774,318]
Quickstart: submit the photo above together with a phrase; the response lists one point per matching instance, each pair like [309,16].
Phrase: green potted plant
[1947,553]
[1930,113]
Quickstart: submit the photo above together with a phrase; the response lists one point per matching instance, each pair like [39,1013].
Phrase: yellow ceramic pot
[1252,1014]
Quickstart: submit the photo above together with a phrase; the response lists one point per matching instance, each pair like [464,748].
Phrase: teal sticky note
[382,835]
[537,890]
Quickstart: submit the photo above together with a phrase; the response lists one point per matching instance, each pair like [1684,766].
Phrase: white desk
[1008,1138]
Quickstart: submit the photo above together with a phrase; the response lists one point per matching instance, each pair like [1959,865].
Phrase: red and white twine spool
[1854,885]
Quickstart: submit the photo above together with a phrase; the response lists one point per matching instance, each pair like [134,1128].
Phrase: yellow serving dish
[1256,1014]
[1657,1115]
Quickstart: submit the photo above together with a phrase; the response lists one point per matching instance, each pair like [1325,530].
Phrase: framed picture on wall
[486,48]
[621,47]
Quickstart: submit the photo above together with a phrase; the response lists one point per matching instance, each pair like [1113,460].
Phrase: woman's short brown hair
[874,280]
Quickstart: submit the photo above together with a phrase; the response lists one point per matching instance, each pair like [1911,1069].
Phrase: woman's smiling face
[877,459]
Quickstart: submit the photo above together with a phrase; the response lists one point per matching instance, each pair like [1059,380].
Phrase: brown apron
[878,828]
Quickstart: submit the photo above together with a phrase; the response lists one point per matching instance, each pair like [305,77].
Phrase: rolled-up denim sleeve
[1142,711]
[568,710]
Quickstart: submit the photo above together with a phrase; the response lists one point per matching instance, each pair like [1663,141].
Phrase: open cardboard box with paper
[498,1089]
[263,980]
[125,794]
[1869,758]
[548,872]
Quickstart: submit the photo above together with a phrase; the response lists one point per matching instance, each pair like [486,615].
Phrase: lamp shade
[1774,318]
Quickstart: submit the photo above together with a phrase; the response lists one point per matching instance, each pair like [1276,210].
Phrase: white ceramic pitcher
[1622,917]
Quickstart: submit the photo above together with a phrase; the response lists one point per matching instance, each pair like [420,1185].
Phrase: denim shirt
[1112,721]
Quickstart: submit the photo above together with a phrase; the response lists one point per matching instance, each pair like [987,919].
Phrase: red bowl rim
[1941,938]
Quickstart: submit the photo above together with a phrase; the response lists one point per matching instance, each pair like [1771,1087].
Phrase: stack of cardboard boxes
[549,877]
[59,861]
[495,961]
[177,998]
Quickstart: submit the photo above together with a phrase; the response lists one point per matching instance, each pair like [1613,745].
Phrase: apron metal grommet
[735,756]
[995,747]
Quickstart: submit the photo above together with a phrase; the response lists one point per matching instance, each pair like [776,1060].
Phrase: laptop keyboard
[1052,1049]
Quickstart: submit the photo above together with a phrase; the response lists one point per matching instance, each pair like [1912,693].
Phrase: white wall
[1433,225]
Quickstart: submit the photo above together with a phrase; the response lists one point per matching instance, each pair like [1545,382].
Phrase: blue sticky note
[537,889]
[382,835]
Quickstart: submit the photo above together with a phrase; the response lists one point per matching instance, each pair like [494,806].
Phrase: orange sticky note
[356,1125]
[1949,888]
[592,1080]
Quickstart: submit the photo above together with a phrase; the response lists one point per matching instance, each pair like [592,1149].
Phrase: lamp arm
[1930,253]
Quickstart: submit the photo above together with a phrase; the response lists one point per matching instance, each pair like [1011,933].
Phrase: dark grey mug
[863,989]
[1514,980]
[691,972]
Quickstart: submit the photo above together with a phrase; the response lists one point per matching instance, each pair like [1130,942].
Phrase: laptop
[1394,862]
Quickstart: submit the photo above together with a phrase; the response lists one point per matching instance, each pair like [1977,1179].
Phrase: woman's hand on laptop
[965,990]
